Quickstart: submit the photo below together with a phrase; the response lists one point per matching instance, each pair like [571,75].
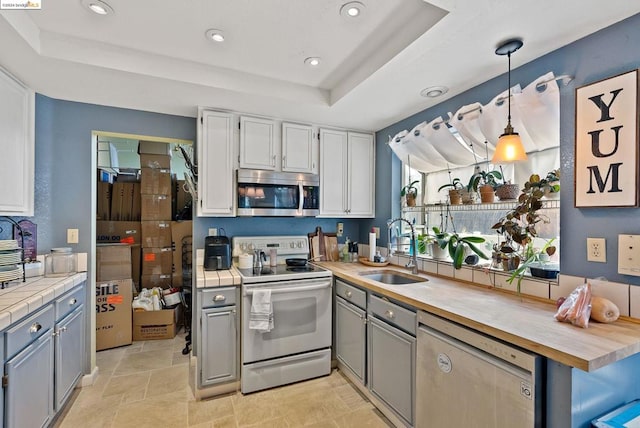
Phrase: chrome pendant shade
[509,147]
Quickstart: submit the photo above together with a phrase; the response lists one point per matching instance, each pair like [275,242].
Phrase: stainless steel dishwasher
[468,379]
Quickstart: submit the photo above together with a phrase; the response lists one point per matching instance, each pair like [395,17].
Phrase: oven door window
[301,321]
[268,196]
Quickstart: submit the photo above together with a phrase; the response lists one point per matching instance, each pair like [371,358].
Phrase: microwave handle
[301,198]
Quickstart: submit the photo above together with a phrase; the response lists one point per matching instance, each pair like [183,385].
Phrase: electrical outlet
[597,250]
[377,232]
[72,236]
[213,231]
[340,229]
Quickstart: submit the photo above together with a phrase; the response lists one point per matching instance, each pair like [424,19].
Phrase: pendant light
[509,147]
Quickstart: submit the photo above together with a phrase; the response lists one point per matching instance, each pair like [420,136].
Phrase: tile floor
[146,385]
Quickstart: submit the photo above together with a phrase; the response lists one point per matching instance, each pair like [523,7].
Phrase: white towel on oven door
[261,314]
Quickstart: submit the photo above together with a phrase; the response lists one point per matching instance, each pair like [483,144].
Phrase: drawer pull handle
[36,327]
[348,294]
[390,314]
[219,298]
[73,301]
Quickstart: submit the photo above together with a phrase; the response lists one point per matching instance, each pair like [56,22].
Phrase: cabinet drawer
[28,330]
[218,297]
[351,294]
[393,314]
[67,303]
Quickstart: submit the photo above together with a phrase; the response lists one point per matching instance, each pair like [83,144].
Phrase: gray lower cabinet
[218,353]
[28,373]
[392,356]
[350,340]
[68,343]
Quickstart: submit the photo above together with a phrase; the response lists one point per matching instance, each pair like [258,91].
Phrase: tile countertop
[19,299]
[525,322]
[216,278]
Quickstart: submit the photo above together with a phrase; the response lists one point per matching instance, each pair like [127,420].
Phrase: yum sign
[606,169]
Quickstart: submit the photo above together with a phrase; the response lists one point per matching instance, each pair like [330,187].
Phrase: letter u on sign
[606,143]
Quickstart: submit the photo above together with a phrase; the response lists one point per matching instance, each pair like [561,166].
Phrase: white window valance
[470,134]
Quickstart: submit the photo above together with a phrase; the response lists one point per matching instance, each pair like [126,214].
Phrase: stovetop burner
[301,269]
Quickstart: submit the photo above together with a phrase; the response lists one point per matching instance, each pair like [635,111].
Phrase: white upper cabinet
[17,146]
[347,180]
[361,178]
[257,143]
[216,172]
[298,148]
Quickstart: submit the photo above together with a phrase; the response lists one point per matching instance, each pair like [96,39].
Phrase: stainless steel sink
[392,277]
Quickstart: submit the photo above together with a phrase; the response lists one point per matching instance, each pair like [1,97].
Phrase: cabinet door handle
[390,314]
[219,298]
[348,294]
[60,330]
[73,301]
[35,327]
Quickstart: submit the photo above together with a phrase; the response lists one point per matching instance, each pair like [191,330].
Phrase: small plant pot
[467,197]
[508,192]
[439,253]
[510,264]
[455,198]
[411,199]
[487,194]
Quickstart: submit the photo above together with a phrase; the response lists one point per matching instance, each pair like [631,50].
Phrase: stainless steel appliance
[299,345]
[270,193]
[217,253]
[469,379]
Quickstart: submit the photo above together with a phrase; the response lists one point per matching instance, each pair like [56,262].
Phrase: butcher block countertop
[521,321]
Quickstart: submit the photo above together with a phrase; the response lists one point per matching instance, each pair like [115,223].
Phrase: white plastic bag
[576,308]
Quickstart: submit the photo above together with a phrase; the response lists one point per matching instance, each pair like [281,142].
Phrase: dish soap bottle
[345,250]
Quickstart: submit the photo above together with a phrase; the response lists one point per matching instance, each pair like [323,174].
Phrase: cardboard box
[155,161]
[156,234]
[122,201]
[156,207]
[182,254]
[154,148]
[128,232]
[149,281]
[155,325]
[113,313]
[113,262]
[155,181]
[136,266]
[136,204]
[104,201]
[157,261]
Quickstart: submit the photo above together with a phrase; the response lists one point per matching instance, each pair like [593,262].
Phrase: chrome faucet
[413,263]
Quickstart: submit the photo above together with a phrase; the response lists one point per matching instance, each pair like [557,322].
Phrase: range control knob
[292,244]
[299,244]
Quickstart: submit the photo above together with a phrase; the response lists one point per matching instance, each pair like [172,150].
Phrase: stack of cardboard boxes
[137,209]
[155,193]
[114,293]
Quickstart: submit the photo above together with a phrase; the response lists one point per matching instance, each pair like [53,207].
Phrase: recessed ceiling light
[312,61]
[434,91]
[98,6]
[352,9]
[215,35]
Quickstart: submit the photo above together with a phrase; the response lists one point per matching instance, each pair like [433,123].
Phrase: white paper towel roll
[372,246]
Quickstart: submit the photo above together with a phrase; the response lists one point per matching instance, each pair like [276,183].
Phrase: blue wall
[609,52]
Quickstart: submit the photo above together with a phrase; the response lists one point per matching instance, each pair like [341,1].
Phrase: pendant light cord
[509,88]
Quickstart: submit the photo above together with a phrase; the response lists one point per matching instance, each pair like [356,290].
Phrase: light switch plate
[72,236]
[629,255]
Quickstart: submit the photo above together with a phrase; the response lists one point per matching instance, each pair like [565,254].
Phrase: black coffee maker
[217,253]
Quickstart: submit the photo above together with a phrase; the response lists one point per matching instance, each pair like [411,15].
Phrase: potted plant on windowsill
[486,183]
[409,192]
[455,191]
[519,228]
[457,245]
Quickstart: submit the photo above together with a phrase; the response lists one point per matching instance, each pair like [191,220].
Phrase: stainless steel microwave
[280,194]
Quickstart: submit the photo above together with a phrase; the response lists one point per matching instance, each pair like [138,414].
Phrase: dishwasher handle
[292,289]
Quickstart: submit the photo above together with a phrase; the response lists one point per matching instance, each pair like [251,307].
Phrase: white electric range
[299,345]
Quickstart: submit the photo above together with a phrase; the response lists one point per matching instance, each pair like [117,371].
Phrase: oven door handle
[292,289]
